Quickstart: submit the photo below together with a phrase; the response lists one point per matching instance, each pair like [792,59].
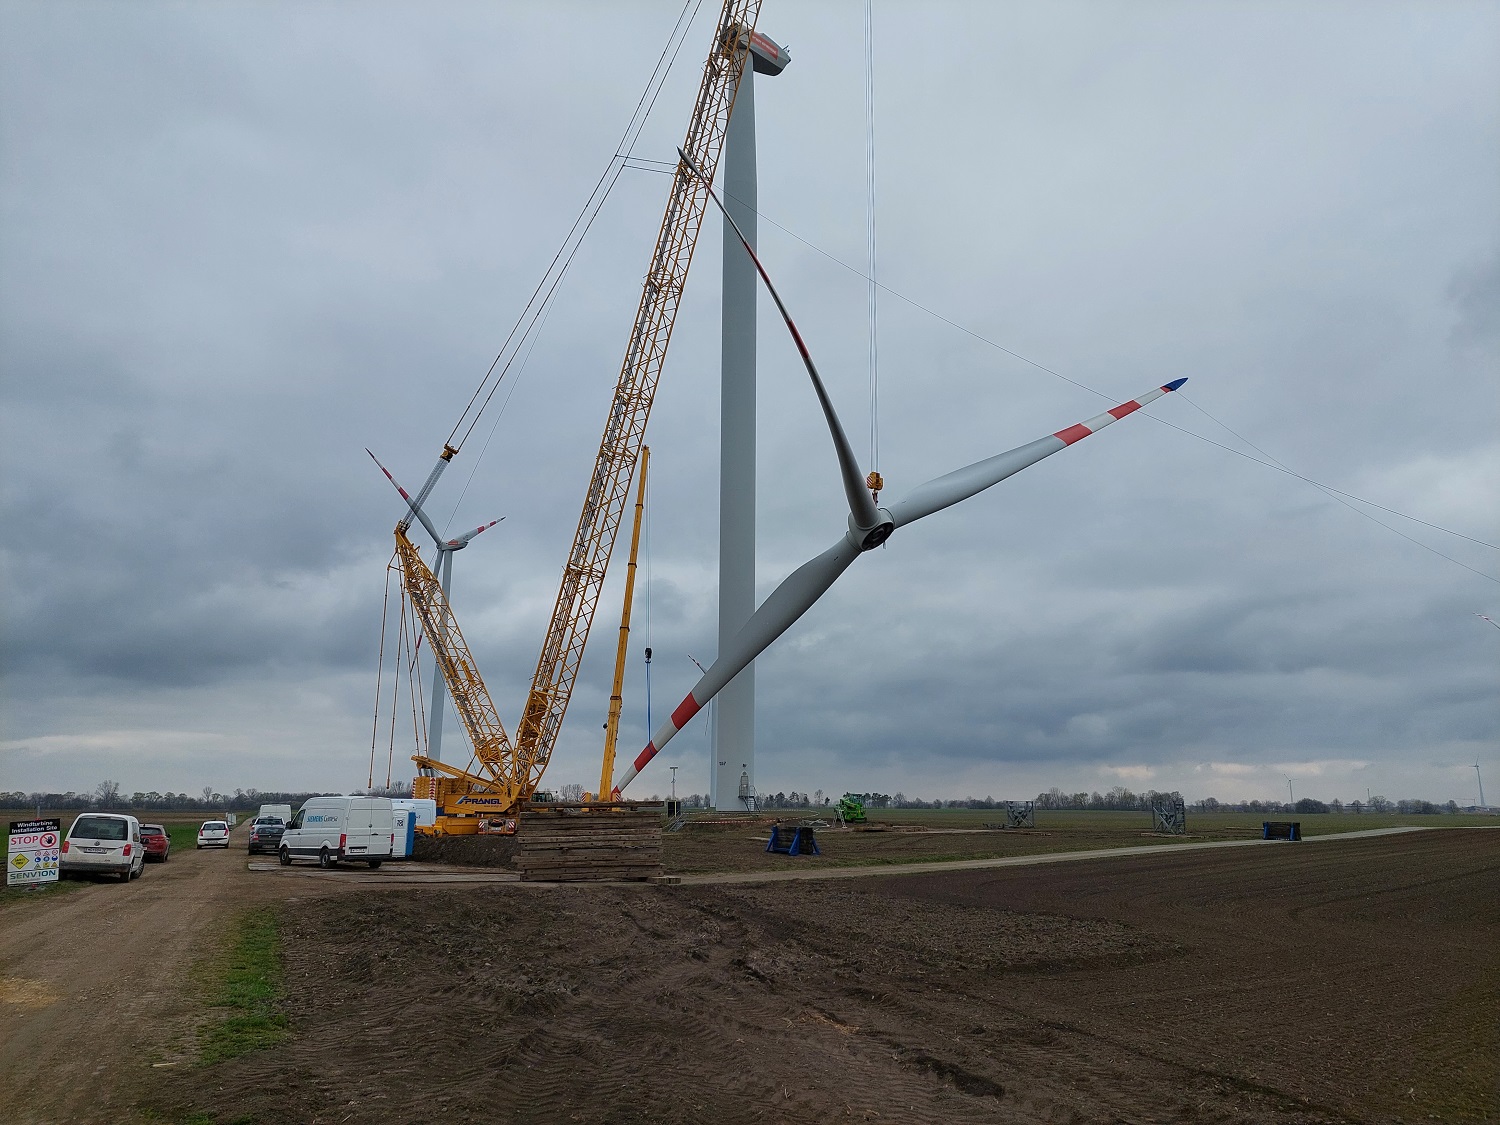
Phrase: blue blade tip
[1174,384]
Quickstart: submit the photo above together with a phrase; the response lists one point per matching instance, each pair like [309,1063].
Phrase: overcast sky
[242,241]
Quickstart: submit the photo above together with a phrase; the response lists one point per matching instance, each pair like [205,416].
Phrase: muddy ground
[1332,981]
[733,849]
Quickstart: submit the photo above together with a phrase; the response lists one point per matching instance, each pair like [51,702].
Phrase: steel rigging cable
[874,480]
[546,288]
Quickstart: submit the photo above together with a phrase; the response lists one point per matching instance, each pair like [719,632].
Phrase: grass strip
[250,991]
[183,836]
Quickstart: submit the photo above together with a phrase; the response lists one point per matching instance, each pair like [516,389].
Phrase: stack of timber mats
[568,843]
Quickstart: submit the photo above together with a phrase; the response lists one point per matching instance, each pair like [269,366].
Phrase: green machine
[851,809]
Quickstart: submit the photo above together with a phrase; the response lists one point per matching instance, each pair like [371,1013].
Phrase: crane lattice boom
[471,699]
[625,429]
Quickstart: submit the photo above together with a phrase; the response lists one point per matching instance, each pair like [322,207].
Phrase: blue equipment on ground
[793,841]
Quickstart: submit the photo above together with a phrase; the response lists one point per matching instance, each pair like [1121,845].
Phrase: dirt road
[93,982]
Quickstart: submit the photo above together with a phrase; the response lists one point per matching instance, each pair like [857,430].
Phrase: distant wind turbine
[869,525]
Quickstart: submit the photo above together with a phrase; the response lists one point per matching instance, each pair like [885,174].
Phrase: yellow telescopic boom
[616,695]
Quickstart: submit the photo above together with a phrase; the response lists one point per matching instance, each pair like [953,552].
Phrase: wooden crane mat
[577,843]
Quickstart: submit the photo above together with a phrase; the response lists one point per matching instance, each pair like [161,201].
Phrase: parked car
[329,829]
[157,843]
[265,833]
[104,844]
[213,834]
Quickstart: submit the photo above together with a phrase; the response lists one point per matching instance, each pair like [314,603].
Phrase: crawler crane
[510,769]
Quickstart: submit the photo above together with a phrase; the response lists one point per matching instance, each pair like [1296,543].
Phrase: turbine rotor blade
[945,491]
[796,594]
[410,503]
[460,542]
[425,491]
[862,508]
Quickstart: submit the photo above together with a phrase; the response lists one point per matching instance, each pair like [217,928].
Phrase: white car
[213,834]
[104,844]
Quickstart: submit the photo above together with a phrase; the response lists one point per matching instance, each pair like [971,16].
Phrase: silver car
[104,844]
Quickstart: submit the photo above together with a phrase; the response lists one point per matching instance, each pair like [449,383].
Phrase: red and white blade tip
[387,473]
[1083,429]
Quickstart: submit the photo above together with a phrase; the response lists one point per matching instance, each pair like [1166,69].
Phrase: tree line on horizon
[108,795]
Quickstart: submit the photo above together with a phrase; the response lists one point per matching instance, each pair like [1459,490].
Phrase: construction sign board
[35,848]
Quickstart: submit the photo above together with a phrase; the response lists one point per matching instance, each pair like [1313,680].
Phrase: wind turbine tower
[734,732]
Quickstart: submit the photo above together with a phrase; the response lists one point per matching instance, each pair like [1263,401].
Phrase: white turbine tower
[869,525]
[444,570]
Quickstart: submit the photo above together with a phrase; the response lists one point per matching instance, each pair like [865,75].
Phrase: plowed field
[1337,981]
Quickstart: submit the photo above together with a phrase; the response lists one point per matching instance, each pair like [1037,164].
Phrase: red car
[158,843]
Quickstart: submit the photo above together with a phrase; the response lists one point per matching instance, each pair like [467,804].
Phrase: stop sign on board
[33,856]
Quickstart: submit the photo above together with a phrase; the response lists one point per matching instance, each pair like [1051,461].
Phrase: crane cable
[874,481]
[541,297]
[385,613]
[414,689]
[396,672]
[400,660]
[623,158]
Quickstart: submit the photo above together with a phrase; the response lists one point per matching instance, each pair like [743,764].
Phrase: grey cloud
[241,242]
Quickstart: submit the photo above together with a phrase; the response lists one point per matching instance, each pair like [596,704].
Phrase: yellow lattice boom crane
[509,770]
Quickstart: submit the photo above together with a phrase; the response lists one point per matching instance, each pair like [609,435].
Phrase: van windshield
[99,828]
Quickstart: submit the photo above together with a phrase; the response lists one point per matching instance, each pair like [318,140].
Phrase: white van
[329,829]
[103,844]
[284,812]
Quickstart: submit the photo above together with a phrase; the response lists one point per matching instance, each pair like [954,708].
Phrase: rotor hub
[868,538]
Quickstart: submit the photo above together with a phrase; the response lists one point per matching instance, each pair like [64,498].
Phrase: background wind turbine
[869,525]
[444,570]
